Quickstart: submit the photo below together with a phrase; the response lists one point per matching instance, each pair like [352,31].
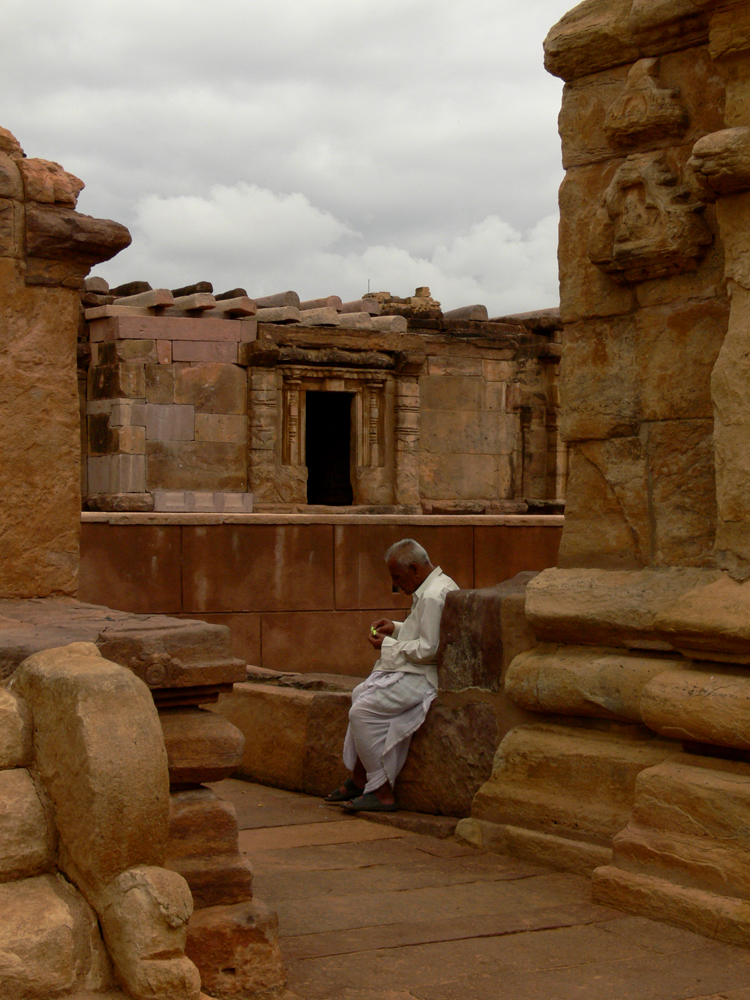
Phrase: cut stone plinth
[99,752]
[449,759]
[683,857]
[201,746]
[15,730]
[278,750]
[608,607]
[700,703]
[480,633]
[202,847]
[49,941]
[558,794]
[586,681]
[164,652]
[236,951]
[711,620]
[294,735]
[27,841]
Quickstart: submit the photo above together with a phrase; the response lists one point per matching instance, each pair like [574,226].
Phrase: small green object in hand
[373,632]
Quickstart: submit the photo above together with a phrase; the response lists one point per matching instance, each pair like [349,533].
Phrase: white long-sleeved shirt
[412,648]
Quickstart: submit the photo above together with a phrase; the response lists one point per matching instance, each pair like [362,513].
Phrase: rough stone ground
[368,911]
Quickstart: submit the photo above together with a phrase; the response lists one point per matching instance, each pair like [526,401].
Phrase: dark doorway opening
[328,448]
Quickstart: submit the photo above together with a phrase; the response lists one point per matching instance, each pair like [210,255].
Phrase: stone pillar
[641,768]
[407,440]
[46,250]
[264,421]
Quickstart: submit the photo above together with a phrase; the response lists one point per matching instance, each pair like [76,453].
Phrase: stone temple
[592,716]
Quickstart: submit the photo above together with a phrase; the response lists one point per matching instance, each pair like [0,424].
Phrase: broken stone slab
[476,312]
[201,745]
[324,316]
[154,298]
[50,942]
[390,324]
[15,729]
[240,305]
[327,302]
[278,301]
[62,245]
[197,302]
[236,950]
[27,841]
[196,288]
[130,288]
[124,502]
[355,320]
[277,314]
[370,306]
[100,286]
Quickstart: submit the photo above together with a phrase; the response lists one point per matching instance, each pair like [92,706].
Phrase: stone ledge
[427,520]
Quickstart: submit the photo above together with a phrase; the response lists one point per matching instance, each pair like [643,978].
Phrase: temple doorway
[328,448]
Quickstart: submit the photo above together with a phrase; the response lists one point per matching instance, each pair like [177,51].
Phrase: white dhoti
[387,709]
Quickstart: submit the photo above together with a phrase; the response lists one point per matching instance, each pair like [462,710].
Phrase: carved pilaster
[263,427]
[407,441]
[292,450]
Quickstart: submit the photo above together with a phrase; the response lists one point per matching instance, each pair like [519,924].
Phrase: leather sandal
[352,792]
[370,803]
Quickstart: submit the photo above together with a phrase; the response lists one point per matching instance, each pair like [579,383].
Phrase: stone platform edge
[418,520]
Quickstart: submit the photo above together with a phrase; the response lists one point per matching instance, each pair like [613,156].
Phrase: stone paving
[370,911]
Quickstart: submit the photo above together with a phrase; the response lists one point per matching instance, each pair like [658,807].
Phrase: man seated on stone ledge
[393,702]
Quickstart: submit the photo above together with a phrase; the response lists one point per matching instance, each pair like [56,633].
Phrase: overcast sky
[318,145]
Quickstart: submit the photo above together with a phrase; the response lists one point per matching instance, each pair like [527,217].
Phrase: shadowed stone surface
[411,917]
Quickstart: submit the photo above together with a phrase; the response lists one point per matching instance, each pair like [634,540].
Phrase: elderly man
[393,702]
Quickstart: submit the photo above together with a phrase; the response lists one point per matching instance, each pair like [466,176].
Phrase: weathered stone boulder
[27,836]
[49,941]
[15,730]
[100,754]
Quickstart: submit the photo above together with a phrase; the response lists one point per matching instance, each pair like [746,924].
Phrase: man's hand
[378,630]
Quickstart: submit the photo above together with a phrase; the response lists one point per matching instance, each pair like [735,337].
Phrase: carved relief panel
[648,224]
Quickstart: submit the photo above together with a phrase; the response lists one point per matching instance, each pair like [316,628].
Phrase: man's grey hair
[406,552]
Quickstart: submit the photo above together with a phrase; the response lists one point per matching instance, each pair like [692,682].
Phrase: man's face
[405,578]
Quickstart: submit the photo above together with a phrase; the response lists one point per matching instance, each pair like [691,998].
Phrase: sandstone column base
[685,855]
[559,793]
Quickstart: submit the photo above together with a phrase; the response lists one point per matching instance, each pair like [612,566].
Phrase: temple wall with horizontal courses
[298,592]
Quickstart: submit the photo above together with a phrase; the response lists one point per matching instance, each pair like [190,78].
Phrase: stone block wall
[640,770]
[46,250]
[166,405]
[209,394]
[297,592]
